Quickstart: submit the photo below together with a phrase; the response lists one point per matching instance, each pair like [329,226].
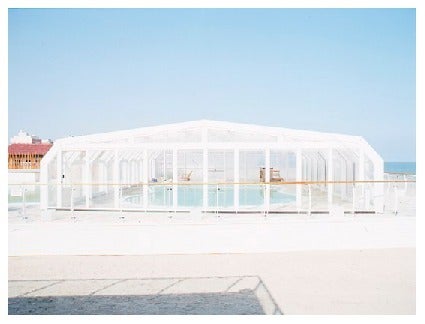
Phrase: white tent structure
[212,166]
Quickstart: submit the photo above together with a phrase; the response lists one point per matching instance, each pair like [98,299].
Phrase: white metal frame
[295,141]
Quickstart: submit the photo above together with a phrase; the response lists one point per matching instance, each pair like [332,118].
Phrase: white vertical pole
[100,175]
[309,198]
[378,188]
[44,186]
[59,173]
[131,171]
[267,179]
[175,180]
[298,178]
[140,174]
[236,179]
[116,181]
[87,179]
[127,171]
[205,178]
[153,169]
[311,167]
[330,176]
[361,176]
[107,175]
[343,177]
[135,172]
[145,179]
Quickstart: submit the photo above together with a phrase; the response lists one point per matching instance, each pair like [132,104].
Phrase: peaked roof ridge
[209,123]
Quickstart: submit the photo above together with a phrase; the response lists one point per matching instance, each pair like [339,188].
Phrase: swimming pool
[221,196]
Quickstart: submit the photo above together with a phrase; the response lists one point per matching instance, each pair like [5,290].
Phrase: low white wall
[256,236]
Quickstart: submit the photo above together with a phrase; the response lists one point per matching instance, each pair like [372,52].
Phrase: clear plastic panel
[190,196]
[160,197]
[24,201]
[283,197]
[131,197]
[251,197]
[220,197]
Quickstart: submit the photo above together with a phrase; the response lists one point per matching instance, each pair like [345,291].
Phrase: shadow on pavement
[238,303]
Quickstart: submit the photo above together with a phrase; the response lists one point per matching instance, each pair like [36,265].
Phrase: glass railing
[395,193]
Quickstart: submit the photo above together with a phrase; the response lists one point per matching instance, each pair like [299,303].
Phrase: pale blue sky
[75,72]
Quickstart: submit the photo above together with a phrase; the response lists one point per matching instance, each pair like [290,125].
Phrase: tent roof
[251,129]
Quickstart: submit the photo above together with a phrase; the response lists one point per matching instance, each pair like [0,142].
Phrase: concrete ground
[372,281]
[197,296]
[98,263]
[187,234]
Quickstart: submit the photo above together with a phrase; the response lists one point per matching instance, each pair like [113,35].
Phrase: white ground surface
[190,234]
[213,295]
[310,282]
[320,264]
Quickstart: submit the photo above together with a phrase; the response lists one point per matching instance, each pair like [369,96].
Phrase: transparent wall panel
[129,179]
[282,197]
[52,186]
[343,172]
[220,171]
[24,201]
[131,197]
[73,163]
[282,170]
[190,195]
[315,172]
[220,197]
[160,167]
[365,193]
[160,197]
[104,198]
[189,165]
[250,165]
[251,194]
[101,167]
[16,194]
[220,166]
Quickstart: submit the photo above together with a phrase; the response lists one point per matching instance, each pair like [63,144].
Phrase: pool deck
[306,264]
[195,233]
[370,281]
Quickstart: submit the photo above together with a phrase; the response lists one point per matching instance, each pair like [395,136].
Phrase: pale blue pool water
[191,196]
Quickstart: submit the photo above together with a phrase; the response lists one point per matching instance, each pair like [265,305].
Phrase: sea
[400,167]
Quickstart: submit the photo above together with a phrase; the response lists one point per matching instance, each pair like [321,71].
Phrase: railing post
[395,209]
[72,202]
[309,199]
[216,200]
[120,202]
[298,178]
[170,192]
[354,199]
[24,209]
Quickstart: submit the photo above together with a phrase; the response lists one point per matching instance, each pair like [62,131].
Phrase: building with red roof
[26,151]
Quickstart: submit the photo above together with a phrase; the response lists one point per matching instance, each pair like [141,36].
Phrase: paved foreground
[380,281]
[214,295]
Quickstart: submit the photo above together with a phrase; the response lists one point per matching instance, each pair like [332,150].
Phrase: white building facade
[214,167]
